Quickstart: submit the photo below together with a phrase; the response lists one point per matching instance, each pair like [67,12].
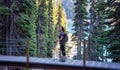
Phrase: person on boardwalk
[62,39]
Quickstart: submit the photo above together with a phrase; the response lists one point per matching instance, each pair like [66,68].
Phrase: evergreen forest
[95,21]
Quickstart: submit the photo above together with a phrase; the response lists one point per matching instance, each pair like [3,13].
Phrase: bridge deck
[54,63]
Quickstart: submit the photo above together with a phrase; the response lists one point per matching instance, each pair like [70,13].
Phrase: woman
[62,42]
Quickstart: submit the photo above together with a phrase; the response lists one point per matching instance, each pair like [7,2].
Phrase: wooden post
[27,52]
[37,45]
[84,54]
[89,52]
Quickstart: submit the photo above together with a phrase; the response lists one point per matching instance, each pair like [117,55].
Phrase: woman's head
[62,28]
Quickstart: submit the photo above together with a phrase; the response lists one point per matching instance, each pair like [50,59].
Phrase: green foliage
[109,37]
[100,6]
[50,42]
[26,22]
[102,38]
[114,32]
[45,27]
[4,10]
[113,49]
[79,24]
[31,18]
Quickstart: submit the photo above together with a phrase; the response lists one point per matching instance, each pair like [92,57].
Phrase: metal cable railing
[18,46]
[28,48]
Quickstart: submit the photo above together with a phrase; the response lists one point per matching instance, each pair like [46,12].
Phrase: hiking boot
[62,59]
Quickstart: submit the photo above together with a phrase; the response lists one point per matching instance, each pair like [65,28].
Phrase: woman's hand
[57,40]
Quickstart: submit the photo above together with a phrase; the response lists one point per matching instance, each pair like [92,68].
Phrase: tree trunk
[10,29]
[92,30]
[79,56]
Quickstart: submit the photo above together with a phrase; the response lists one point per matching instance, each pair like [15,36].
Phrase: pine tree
[100,27]
[106,38]
[4,13]
[114,32]
[59,13]
[50,44]
[79,19]
[42,27]
[26,21]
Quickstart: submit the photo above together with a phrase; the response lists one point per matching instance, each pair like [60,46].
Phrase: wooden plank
[48,62]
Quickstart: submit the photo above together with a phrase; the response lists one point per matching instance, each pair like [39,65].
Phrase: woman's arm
[61,38]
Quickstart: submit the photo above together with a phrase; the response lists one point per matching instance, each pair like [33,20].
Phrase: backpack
[66,37]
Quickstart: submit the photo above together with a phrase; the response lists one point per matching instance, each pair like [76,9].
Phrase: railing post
[37,45]
[27,52]
[84,54]
[89,52]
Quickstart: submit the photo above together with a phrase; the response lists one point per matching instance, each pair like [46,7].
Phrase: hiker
[62,39]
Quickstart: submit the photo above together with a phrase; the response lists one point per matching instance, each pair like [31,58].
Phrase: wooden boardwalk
[56,64]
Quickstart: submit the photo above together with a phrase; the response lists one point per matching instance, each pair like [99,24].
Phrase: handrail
[12,38]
